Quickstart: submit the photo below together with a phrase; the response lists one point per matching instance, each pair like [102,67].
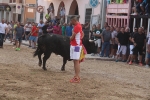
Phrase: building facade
[72,7]
[29,11]
[80,8]
[5,10]
[18,10]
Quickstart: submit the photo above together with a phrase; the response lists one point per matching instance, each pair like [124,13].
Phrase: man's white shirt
[3,27]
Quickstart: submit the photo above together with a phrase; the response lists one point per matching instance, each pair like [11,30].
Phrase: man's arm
[87,25]
[102,37]
[6,28]
[23,33]
[82,35]
[73,36]
[133,39]
[144,43]
[89,34]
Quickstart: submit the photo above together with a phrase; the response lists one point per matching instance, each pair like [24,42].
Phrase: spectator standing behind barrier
[148,55]
[44,28]
[131,45]
[122,39]
[33,36]
[69,30]
[106,37]
[97,35]
[19,34]
[105,25]
[3,31]
[56,29]
[50,28]
[114,42]
[92,38]
[139,41]
[27,27]
[63,28]
[40,25]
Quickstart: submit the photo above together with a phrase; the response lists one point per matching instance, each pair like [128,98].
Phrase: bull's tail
[40,44]
[36,52]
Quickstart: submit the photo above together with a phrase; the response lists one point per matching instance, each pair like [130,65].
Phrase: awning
[4,7]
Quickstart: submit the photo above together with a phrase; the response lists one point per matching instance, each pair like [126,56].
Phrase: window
[10,1]
[41,16]
[30,10]
[20,1]
[14,1]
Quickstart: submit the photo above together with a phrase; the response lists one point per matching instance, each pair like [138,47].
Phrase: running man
[3,31]
[19,34]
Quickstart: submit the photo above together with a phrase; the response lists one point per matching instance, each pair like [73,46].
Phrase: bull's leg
[64,63]
[46,56]
[39,56]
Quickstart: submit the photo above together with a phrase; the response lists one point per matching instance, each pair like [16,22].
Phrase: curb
[100,59]
[25,44]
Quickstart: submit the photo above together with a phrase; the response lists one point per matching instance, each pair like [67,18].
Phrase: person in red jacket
[34,35]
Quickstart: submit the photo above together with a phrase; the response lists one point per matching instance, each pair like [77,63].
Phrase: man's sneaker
[130,63]
[92,54]
[29,46]
[123,60]
[113,57]
[140,64]
[18,49]
[116,60]
[147,66]
[101,56]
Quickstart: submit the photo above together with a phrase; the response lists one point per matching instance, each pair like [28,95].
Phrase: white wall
[82,4]
[4,1]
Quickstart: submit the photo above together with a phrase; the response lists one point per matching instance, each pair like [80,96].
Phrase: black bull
[57,44]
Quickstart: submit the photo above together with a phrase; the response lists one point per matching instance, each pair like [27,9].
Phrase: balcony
[13,2]
[118,8]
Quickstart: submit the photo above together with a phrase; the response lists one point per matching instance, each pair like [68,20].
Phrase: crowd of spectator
[121,44]
[141,7]
[16,32]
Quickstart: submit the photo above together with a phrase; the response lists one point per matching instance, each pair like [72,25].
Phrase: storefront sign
[94,3]
[32,5]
